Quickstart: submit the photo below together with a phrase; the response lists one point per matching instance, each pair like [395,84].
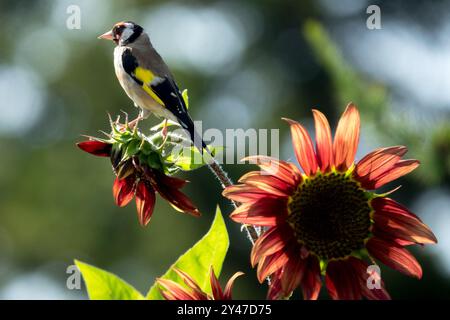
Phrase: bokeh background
[246,64]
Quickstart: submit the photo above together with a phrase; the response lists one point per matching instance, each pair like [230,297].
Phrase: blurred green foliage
[428,143]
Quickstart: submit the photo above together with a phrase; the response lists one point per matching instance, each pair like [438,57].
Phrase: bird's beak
[107,35]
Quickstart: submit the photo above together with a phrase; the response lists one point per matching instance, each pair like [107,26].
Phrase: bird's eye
[118,30]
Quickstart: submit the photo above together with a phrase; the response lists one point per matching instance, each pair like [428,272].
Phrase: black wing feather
[168,92]
[129,63]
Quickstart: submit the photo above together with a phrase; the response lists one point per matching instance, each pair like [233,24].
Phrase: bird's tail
[196,139]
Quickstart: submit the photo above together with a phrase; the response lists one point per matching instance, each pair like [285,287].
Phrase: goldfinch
[146,78]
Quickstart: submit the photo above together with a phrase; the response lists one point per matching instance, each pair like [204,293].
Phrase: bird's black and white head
[123,33]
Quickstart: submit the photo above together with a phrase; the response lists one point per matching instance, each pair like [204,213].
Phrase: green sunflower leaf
[208,251]
[132,148]
[192,159]
[154,160]
[103,285]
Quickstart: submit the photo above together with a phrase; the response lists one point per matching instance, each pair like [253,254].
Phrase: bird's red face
[123,33]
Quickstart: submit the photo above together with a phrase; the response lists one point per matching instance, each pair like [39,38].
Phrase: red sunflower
[174,291]
[328,220]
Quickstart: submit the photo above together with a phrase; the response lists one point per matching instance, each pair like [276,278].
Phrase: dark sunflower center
[330,215]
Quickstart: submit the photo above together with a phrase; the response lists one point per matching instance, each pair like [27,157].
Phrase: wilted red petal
[171,182]
[125,170]
[264,212]
[215,285]
[398,170]
[177,199]
[324,143]
[123,190]
[376,163]
[311,281]
[346,138]
[268,183]
[145,202]
[303,147]
[342,283]
[229,286]
[116,157]
[97,148]
[395,257]
[360,271]
[286,171]
[270,264]
[267,244]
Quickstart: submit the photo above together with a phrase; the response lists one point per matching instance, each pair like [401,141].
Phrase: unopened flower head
[141,171]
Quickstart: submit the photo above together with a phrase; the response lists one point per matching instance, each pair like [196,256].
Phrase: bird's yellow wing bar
[146,77]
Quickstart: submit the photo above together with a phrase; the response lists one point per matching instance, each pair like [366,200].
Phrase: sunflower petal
[292,275]
[341,282]
[395,257]
[268,183]
[97,148]
[229,286]
[123,191]
[360,269]
[270,264]
[215,285]
[324,143]
[311,282]
[171,182]
[177,199]
[418,233]
[264,212]
[404,227]
[377,163]
[174,291]
[346,138]
[145,202]
[390,237]
[245,193]
[187,279]
[267,244]
[398,170]
[392,206]
[275,291]
[303,147]
[285,171]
